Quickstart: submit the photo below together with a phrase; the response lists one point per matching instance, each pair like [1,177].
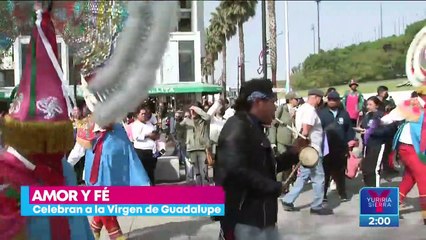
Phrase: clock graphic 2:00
[379,221]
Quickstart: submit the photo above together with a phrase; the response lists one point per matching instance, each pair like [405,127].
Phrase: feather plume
[141,48]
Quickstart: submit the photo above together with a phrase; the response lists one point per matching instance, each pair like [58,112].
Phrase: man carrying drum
[309,124]
[246,167]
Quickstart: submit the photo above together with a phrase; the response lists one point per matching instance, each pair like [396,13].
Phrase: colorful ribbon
[33,73]
[94,172]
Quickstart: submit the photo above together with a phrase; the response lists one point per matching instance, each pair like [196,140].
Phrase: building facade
[179,79]
[181,62]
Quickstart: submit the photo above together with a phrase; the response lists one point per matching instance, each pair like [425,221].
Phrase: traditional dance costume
[84,138]
[112,161]
[410,142]
[38,133]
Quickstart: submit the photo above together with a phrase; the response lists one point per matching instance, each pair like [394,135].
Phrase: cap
[353,82]
[316,92]
[421,90]
[262,86]
[291,95]
[333,95]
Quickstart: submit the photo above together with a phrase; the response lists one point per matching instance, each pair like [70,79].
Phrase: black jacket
[246,168]
[341,124]
[338,129]
[382,133]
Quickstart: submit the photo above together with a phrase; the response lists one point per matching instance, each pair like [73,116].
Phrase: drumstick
[292,173]
[291,129]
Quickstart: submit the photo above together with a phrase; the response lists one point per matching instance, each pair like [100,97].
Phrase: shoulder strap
[280,111]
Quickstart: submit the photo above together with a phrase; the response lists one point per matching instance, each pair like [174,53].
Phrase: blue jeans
[180,151]
[316,175]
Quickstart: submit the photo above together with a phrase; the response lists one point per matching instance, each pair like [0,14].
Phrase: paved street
[292,226]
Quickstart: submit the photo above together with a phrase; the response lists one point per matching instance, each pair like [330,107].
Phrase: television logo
[379,207]
[379,200]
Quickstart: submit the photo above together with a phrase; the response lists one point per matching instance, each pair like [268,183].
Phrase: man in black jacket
[246,167]
[337,126]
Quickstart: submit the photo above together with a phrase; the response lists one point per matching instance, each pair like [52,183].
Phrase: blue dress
[38,228]
[120,165]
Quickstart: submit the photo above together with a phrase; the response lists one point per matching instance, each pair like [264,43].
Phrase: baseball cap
[257,88]
[421,90]
[333,95]
[353,82]
[291,95]
[316,92]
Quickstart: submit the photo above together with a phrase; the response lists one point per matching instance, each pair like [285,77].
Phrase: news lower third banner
[379,207]
[122,201]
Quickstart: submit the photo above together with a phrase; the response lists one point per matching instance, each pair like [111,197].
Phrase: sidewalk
[292,225]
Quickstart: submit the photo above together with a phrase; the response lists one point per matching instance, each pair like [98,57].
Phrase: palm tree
[240,12]
[206,69]
[273,40]
[213,46]
[224,29]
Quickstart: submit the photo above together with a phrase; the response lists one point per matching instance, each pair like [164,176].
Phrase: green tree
[213,46]
[224,29]
[273,40]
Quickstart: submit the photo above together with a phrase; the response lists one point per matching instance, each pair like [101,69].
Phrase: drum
[309,157]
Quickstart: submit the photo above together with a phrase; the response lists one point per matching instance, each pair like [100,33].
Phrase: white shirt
[306,114]
[140,131]
[229,113]
[393,116]
[216,123]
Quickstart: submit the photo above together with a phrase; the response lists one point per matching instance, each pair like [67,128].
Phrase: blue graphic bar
[193,210]
[379,220]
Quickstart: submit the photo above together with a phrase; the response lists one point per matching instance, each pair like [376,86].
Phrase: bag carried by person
[352,166]
[209,158]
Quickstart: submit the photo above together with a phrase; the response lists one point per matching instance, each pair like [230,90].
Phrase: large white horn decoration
[416,54]
[89,97]
[131,71]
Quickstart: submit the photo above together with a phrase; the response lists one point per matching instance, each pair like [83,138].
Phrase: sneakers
[333,185]
[404,206]
[344,198]
[322,211]
[289,207]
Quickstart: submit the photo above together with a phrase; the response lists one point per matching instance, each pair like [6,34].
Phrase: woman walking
[374,136]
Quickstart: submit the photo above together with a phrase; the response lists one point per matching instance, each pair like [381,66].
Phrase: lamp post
[238,74]
[265,57]
[318,25]
[313,33]
[287,48]
[381,21]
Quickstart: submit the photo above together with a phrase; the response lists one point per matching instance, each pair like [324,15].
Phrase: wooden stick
[292,173]
[291,129]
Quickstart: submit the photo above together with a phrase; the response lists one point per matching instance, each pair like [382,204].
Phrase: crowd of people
[253,152]
[193,132]
[261,140]
[248,145]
